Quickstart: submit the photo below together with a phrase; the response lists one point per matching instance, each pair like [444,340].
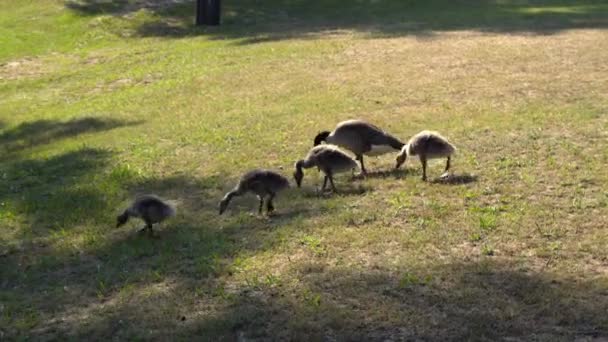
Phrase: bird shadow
[464,301]
[32,134]
[455,179]
[342,191]
[275,20]
[286,214]
[382,174]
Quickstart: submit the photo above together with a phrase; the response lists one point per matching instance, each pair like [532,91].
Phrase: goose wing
[367,135]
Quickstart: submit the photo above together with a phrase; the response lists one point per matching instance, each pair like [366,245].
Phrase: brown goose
[427,145]
[361,138]
[329,159]
[150,208]
[263,183]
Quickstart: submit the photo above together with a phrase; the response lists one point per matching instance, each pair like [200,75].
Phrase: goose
[362,138]
[327,158]
[150,208]
[263,183]
[427,145]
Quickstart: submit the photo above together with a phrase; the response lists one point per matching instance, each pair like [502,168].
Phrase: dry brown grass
[517,251]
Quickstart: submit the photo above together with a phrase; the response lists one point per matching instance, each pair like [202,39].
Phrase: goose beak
[121,219]
[400,160]
[223,206]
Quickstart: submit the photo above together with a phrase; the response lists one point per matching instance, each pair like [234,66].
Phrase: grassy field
[103,100]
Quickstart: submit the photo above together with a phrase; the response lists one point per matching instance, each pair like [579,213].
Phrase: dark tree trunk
[208,12]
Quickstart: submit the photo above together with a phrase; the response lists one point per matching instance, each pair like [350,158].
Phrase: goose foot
[358,176]
[324,193]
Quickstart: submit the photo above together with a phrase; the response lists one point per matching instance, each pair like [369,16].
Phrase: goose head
[224,204]
[298,173]
[122,219]
[322,136]
[401,157]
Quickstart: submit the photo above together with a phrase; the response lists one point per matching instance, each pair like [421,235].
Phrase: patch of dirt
[123,82]
[21,68]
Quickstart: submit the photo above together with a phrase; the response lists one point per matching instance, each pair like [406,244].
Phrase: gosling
[361,138]
[263,183]
[327,158]
[427,145]
[150,208]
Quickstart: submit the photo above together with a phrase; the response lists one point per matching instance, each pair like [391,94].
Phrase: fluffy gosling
[362,138]
[427,145]
[329,159]
[150,208]
[263,183]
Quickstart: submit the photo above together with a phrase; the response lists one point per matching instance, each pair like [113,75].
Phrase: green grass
[100,101]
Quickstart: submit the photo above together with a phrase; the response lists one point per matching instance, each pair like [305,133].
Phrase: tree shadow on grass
[96,7]
[451,179]
[194,248]
[127,286]
[54,193]
[453,302]
[384,174]
[31,134]
[264,21]
[480,300]
[343,190]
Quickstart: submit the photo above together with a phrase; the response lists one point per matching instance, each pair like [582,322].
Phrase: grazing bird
[329,159]
[427,145]
[263,183]
[150,208]
[361,138]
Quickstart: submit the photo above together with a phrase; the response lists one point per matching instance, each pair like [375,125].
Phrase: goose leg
[147,227]
[360,159]
[144,228]
[261,198]
[150,231]
[324,183]
[331,181]
[446,173]
[269,205]
[423,161]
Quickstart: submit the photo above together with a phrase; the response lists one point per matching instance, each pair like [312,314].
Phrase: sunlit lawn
[100,101]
